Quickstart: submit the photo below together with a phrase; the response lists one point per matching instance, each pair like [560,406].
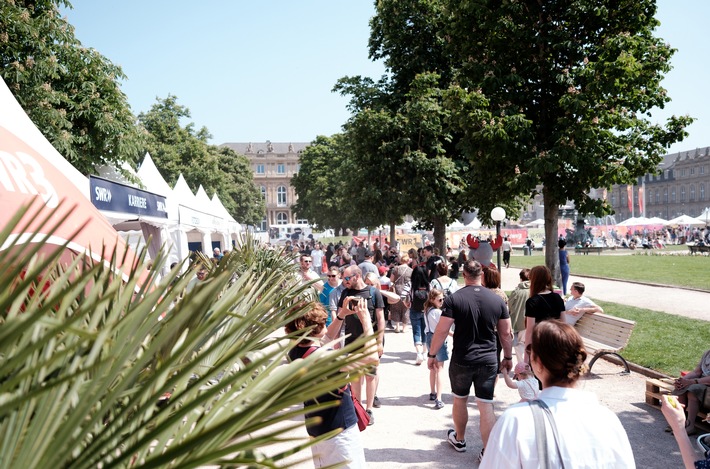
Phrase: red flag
[630,198]
[641,201]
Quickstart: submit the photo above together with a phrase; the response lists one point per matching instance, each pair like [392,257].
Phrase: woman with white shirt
[588,435]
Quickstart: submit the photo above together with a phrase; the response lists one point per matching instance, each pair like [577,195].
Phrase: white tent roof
[204,200]
[459,226]
[536,223]
[183,194]
[685,220]
[151,177]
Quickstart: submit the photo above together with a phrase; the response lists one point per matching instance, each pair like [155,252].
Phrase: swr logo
[102,194]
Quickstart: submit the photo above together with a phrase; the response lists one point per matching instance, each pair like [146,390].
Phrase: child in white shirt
[525,382]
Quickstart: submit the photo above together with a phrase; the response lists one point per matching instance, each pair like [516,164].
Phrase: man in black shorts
[477,312]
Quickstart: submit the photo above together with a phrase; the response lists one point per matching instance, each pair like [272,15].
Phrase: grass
[676,270]
[661,341]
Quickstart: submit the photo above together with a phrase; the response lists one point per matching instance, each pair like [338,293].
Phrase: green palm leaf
[86,357]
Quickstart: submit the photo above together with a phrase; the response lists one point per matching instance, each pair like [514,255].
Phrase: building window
[263,224]
[692,170]
[613,199]
[263,192]
[281,196]
[281,168]
[260,169]
[658,197]
[665,195]
[692,192]
[301,221]
[702,169]
[702,191]
[281,218]
[673,195]
[682,193]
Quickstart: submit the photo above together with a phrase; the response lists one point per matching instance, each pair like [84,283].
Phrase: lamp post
[498,215]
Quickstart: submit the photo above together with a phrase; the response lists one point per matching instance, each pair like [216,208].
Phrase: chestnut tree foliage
[572,86]
[182,149]
[72,93]
[493,99]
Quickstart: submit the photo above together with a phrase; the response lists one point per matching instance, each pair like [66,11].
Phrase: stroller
[704,444]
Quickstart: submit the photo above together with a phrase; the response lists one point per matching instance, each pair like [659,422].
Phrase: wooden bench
[605,335]
[655,388]
[697,249]
[586,251]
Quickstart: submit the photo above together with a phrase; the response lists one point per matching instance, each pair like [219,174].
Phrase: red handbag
[363,418]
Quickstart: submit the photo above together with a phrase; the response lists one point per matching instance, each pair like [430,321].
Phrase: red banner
[641,201]
[630,198]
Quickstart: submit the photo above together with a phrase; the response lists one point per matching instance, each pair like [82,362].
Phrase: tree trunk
[552,260]
[393,233]
[440,236]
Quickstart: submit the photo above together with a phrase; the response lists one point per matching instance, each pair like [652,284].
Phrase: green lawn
[661,341]
[668,269]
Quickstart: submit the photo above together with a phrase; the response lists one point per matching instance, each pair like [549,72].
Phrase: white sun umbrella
[633,221]
[657,221]
[685,220]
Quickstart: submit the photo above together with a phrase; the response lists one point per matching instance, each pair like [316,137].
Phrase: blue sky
[264,70]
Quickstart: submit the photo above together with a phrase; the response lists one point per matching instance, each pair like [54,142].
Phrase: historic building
[681,187]
[274,164]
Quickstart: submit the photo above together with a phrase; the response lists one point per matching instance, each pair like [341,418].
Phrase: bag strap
[310,350]
[541,411]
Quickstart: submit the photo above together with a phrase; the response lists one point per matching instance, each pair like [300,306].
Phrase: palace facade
[273,164]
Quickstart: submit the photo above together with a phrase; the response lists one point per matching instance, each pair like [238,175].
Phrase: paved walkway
[409,433]
[678,301]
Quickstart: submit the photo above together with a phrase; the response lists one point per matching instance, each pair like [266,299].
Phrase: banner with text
[115,197]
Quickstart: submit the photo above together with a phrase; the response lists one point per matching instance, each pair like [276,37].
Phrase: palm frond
[88,355]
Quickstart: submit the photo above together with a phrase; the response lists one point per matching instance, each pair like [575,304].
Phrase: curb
[638,282]
[642,370]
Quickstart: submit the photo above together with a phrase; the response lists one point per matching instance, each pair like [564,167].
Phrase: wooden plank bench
[655,388]
[587,250]
[605,335]
[697,249]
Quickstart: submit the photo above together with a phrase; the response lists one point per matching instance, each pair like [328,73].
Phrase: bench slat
[602,334]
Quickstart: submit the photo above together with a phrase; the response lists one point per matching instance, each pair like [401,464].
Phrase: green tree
[180,149]
[570,86]
[399,130]
[320,184]
[70,92]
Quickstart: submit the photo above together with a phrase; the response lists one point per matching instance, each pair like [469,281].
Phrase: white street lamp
[498,215]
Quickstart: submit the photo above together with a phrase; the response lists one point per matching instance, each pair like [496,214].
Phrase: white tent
[536,223]
[459,226]
[685,220]
[234,229]
[33,172]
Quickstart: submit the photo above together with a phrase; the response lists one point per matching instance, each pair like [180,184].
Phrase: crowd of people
[367,290]
[363,291]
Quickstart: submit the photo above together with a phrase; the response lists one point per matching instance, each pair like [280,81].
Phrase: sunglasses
[331,276]
[307,262]
[347,279]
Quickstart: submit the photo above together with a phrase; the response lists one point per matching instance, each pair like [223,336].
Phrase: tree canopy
[71,93]
[180,149]
[571,86]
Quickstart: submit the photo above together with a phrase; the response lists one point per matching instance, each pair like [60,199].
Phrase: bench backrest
[609,330]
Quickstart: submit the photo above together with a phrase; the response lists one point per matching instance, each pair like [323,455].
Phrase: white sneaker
[420,359]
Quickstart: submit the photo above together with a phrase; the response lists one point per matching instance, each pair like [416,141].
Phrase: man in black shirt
[355,287]
[477,313]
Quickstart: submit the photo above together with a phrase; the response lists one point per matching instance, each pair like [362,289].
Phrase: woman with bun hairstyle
[587,433]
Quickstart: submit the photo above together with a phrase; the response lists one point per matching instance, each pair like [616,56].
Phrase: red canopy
[31,170]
